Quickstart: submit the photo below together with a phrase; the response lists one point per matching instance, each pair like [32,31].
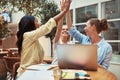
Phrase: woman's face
[89,29]
[37,24]
[64,31]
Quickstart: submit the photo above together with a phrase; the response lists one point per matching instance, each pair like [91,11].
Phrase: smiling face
[89,29]
[65,31]
[37,24]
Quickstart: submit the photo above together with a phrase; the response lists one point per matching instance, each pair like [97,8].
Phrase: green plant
[48,10]
[43,9]
[4,29]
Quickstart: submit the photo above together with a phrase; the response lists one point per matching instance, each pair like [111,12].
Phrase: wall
[115,65]
[115,69]
[81,3]
[10,42]
[17,16]
[45,42]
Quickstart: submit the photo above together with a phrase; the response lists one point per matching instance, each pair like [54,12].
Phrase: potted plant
[4,29]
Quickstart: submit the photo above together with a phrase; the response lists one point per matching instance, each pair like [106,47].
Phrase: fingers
[68,1]
[65,4]
[62,4]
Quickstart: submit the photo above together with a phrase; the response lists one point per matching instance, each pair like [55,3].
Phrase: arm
[60,24]
[68,17]
[78,36]
[100,66]
[62,13]
[45,29]
[58,32]
[107,59]
[73,32]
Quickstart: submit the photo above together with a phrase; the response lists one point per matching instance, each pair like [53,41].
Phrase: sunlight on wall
[45,42]
[17,16]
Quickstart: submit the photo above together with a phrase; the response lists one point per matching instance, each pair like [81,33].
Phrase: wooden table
[3,53]
[100,74]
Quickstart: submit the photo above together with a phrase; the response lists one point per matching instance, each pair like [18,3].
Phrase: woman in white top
[61,37]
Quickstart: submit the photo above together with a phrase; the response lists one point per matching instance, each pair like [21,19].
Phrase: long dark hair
[26,24]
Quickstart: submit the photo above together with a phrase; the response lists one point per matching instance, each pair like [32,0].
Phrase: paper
[41,67]
[37,75]
[75,74]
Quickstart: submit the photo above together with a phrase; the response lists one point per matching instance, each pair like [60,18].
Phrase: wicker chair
[3,70]
[15,67]
[9,62]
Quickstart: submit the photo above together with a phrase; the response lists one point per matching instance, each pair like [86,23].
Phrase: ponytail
[103,24]
[100,25]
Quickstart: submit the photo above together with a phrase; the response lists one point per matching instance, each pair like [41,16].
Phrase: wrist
[65,10]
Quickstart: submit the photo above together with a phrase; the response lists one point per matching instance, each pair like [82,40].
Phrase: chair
[10,63]
[15,67]
[3,70]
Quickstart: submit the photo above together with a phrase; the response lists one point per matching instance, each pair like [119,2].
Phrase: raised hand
[62,5]
[65,4]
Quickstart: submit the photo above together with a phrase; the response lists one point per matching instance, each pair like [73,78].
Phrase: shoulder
[106,45]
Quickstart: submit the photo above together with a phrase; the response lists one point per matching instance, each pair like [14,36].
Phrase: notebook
[77,56]
[75,75]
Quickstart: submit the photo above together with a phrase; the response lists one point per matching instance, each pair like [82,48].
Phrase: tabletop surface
[100,74]
[3,52]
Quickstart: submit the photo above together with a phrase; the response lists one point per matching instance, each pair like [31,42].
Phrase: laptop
[77,56]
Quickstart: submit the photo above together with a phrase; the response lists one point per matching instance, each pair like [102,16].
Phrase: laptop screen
[77,56]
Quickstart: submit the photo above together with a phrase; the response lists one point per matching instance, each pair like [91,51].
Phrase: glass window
[115,47]
[113,33]
[111,9]
[85,13]
[81,28]
[114,30]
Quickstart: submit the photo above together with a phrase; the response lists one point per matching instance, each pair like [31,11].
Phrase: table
[100,74]
[3,53]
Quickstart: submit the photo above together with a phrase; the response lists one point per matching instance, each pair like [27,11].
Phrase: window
[114,35]
[64,20]
[107,9]
[111,9]
[85,13]
[81,28]
[114,30]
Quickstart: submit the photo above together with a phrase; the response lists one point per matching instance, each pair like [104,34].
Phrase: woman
[64,38]
[29,31]
[61,37]
[93,28]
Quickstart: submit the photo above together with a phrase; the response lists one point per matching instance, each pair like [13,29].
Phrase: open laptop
[77,56]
